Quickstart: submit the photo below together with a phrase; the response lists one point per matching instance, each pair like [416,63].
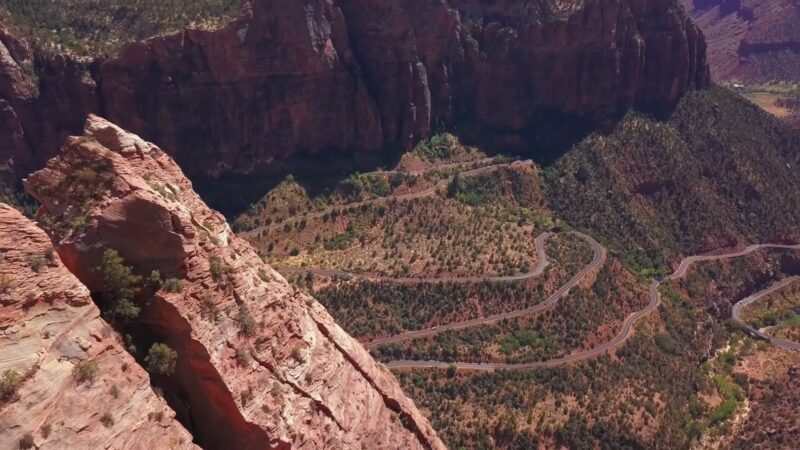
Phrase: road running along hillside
[741,304]
[625,333]
[401,197]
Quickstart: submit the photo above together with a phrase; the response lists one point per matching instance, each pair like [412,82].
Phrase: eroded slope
[77,386]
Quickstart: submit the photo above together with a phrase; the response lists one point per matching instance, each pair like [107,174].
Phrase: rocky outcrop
[750,40]
[49,328]
[349,79]
[260,364]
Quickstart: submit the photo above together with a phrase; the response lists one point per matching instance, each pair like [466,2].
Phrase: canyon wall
[260,364]
[750,41]
[359,80]
[77,386]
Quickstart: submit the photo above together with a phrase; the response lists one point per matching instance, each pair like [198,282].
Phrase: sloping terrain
[66,379]
[719,173]
[751,41]
[256,363]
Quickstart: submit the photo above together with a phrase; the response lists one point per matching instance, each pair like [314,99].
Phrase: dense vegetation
[86,27]
[655,393]
[719,171]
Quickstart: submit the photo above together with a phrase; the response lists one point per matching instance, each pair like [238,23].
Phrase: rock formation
[750,40]
[78,387]
[353,78]
[260,364]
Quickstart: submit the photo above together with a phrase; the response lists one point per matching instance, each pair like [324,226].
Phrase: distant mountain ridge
[750,40]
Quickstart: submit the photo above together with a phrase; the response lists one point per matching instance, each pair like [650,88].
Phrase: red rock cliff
[260,364]
[48,327]
[357,77]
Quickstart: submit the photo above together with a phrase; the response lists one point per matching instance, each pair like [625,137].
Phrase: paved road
[598,260]
[625,333]
[737,308]
[541,264]
[600,255]
[404,197]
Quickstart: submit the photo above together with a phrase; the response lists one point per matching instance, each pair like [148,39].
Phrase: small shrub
[247,395]
[26,441]
[208,309]
[46,429]
[154,281]
[247,324]
[243,357]
[114,391]
[9,384]
[173,285]
[5,284]
[217,269]
[294,251]
[36,263]
[85,372]
[161,359]
[107,420]
[125,309]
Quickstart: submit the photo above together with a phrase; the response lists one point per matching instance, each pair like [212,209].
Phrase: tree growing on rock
[119,286]
[161,359]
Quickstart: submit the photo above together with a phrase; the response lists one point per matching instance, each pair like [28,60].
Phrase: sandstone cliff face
[49,325]
[355,77]
[259,363]
[750,40]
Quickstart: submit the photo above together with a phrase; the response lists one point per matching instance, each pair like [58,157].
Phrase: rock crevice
[229,310]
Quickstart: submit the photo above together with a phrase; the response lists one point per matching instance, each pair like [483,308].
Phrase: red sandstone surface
[352,78]
[48,326]
[260,364]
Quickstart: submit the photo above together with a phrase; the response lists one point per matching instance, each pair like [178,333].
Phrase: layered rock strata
[357,79]
[76,386]
[260,364]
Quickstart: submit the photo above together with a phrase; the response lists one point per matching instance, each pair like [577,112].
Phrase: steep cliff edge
[750,40]
[349,79]
[259,363]
[67,380]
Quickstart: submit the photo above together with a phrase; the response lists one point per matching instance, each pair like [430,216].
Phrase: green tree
[119,286]
[161,359]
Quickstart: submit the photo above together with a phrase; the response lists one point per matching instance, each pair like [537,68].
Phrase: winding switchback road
[402,197]
[598,260]
[600,255]
[737,308]
[625,333]
[541,265]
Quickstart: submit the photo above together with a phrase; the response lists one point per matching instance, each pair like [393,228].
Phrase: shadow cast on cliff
[545,140]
